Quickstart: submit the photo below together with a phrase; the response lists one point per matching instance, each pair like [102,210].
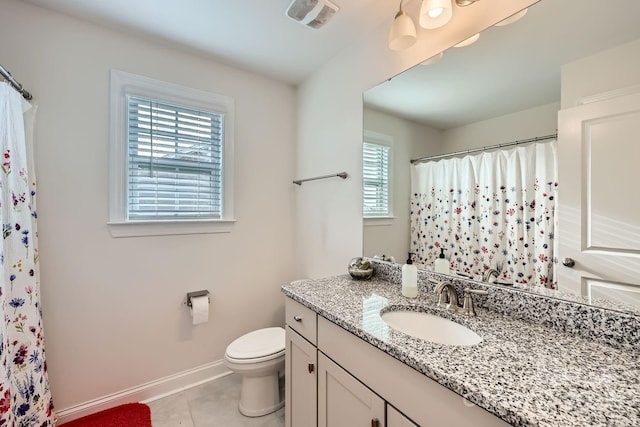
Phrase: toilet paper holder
[197,294]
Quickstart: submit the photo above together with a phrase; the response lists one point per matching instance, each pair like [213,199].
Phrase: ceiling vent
[312,13]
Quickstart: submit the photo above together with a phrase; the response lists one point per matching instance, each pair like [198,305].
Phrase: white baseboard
[147,392]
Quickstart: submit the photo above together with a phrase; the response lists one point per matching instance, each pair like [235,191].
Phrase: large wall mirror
[509,86]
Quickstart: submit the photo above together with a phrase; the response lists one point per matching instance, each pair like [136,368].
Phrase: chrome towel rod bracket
[342,175]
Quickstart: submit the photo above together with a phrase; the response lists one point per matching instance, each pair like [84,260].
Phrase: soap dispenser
[409,279]
[441,265]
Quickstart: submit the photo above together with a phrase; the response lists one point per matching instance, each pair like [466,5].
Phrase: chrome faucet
[447,295]
[491,272]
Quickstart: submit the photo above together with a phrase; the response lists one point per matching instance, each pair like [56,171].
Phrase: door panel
[301,381]
[612,203]
[343,401]
[397,419]
[598,202]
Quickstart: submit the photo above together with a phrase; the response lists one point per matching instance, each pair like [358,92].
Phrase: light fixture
[435,13]
[403,31]
[512,18]
[433,59]
[466,42]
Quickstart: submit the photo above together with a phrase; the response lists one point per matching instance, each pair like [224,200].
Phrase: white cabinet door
[599,199]
[396,419]
[343,401]
[300,381]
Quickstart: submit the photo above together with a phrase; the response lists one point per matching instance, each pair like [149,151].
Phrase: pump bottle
[441,265]
[409,279]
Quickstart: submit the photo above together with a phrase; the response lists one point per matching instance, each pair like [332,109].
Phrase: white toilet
[259,357]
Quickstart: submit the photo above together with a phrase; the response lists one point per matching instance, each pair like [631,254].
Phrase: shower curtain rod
[491,147]
[13,82]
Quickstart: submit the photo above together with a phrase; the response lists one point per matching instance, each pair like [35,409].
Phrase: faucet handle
[476,291]
[468,309]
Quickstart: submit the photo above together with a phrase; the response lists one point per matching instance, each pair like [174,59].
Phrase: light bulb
[434,13]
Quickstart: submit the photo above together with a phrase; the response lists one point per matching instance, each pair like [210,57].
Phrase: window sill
[168,228]
[378,221]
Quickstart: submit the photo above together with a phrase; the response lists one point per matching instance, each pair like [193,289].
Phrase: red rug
[128,415]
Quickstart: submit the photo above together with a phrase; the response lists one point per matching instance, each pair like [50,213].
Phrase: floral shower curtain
[494,210]
[25,398]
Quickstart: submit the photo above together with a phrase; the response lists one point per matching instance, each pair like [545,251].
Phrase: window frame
[380,139]
[124,84]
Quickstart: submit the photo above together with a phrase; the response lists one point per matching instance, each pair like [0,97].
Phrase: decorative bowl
[360,269]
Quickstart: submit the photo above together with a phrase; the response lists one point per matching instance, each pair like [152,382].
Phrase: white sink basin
[430,328]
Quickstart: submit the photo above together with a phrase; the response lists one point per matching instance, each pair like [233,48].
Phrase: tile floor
[213,404]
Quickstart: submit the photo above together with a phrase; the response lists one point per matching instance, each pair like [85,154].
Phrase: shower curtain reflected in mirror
[494,210]
[25,398]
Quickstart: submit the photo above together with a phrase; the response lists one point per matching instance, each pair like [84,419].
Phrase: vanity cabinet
[300,381]
[419,398]
[345,401]
[396,419]
[300,366]
[335,379]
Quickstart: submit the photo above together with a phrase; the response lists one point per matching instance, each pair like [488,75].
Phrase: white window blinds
[175,158]
[375,176]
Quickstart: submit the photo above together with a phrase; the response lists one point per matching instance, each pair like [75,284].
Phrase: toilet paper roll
[200,309]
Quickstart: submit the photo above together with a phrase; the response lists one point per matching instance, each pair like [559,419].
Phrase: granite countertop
[525,373]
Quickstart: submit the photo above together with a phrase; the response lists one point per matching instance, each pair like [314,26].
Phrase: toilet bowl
[258,357]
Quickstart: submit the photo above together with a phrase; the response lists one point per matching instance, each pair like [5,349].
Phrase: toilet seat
[257,346]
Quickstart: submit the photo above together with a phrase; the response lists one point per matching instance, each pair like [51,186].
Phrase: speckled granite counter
[525,373]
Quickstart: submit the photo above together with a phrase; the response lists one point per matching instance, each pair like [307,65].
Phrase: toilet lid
[260,343]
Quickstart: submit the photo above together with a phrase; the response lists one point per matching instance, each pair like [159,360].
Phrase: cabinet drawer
[301,319]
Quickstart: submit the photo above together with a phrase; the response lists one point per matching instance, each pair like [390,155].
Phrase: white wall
[537,121]
[113,308]
[329,213]
[410,140]
[605,71]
